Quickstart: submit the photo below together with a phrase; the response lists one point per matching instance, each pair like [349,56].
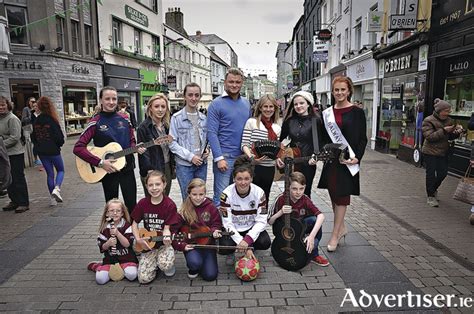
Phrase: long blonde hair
[187,210]
[103,220]
[167,117]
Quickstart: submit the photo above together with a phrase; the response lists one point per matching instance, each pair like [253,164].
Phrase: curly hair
[46,106]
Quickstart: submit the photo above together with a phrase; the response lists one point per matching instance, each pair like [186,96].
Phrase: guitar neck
[207,234]
[211,246]
[131,150]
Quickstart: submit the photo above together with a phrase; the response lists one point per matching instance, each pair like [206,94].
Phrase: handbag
[465,189]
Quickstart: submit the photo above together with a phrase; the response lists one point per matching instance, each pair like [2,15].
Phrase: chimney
[198,34]
[175,19]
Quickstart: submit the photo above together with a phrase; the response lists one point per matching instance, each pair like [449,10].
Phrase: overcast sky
[239,22]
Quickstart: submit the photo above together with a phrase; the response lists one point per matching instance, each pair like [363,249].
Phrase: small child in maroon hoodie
[198,211]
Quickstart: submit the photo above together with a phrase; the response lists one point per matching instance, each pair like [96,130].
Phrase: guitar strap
[314,130]
[336,136]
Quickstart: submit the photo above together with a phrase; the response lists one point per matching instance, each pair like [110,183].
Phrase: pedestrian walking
[106,127]
[198,212]
[226,118]
[298,125]
[189,146]
[438,130]
[345,124]
[158,213]
[10,131]
[34,114]
[263,125]
[48,138]
[115,242]
[27,128]
[158,157]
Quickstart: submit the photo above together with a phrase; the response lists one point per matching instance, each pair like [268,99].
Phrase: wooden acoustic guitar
[288,248]
[113,150]
[329,153]
[201,235]
[154,239]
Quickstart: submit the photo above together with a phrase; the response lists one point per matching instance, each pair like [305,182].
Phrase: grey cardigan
[10,131]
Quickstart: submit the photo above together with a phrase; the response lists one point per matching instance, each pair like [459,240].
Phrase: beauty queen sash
[336,136]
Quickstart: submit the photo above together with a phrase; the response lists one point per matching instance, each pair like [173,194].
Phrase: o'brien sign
[397,64]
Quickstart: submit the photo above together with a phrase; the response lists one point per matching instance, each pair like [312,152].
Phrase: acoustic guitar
[329,153]
[154,239]
[288,248]
[201,235]
[113,150]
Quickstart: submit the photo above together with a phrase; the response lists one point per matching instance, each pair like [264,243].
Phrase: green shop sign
[136,16]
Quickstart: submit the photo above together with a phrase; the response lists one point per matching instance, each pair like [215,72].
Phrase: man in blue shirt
[226,119]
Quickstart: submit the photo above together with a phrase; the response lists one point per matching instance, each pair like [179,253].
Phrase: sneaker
[10,206]
[92,266]
[53,201]
[192,274]
[170,272]
[57,195]
[321,261]
[230,259]
[471,219]
[21,209]
[38,162]
[432,201]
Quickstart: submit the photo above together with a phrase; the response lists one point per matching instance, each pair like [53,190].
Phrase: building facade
[54,53]
[219,46]
[218,70]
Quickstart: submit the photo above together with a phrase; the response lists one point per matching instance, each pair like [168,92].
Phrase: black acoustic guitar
[288,248]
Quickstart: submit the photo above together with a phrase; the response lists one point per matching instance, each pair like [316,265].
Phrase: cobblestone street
[396,243]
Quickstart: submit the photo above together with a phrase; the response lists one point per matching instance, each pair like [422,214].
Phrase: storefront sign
[321,56]
[450,12]
[364,70]
[124,84]
[397,64]
[398,22]
[306,87]
[136,16]
[423,58]
[324,34]
[296,77]
[25,65]
[461,65]
[76,68]
[171,81]
[375,21]
[319,45]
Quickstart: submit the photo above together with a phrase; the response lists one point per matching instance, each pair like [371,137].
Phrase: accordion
[271,149]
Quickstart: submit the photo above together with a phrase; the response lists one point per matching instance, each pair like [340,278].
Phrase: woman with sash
[298,126]
[344,123]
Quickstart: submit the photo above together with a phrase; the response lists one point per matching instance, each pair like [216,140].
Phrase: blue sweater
[225,124]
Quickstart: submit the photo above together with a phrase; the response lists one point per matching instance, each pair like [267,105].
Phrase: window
[373,35]
[213,48]
[117,34]
[150,4]
[358,33]
[137,41]
[339,7]
[347,45]
[60,32]
[338,48]
[88,39]
[17,17]
[75,35]
[155,41]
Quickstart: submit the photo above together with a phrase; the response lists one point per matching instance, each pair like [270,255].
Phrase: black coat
[299,130]
[47,136]
[354,130]
[153,158]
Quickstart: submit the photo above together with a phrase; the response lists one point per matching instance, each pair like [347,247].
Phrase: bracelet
[101,163]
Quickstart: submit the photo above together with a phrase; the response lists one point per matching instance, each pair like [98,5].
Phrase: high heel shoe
[332,248]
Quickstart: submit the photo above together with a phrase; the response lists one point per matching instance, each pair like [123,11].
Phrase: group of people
[242,180]
[40,122]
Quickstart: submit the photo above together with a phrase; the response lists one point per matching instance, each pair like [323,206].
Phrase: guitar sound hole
[109,156]
[288,234]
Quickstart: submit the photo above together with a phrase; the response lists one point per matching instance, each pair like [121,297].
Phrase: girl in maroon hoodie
[198,211]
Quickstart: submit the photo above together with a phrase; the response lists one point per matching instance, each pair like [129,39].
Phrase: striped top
[252,134]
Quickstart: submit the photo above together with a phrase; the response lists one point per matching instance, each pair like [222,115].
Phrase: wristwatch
[101,163]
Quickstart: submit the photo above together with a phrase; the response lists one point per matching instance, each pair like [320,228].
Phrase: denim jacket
[182,131]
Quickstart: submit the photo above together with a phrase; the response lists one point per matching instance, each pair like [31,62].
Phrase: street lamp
[164,61]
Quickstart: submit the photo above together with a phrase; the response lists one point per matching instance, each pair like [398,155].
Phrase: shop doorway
[20,91]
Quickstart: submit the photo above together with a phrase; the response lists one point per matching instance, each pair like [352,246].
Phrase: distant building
[219,46]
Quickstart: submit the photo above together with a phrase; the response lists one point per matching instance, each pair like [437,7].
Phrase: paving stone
[243,303]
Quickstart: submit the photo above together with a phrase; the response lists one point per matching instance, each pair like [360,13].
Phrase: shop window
[17,21]
[79,105]
[21,90]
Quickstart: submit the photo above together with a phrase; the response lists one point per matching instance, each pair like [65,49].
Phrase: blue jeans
[202,261]
[185,174]
[48,163]
[310,221]
[222,179]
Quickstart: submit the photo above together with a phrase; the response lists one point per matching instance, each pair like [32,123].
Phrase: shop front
[451,66]
[401,105]
[127,81]
[71,84]
[323,91]
[339,70]
[149,87]
[363,72]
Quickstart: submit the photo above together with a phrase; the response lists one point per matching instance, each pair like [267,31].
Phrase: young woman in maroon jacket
[199,211]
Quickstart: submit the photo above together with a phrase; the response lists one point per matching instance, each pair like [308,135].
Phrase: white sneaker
[57,195]
[432,201]
[191,275]
[170,272]
[53,201]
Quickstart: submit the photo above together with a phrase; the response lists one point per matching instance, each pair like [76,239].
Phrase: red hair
[47,107]
[348,81]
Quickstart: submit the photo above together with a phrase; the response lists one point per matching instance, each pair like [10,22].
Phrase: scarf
[268,125]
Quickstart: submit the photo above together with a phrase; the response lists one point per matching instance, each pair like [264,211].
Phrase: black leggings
[308,172]
[263,177]
[128,185]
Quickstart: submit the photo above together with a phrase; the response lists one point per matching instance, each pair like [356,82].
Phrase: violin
[199,235]
[154,239]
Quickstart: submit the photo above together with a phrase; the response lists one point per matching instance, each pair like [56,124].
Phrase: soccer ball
[247,269]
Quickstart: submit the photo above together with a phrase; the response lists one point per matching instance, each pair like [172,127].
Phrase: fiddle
[199,235]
